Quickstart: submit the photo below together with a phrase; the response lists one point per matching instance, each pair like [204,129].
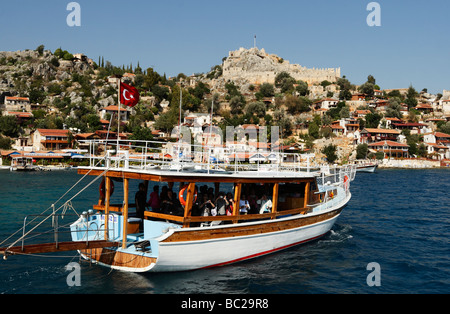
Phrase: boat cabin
[195,200]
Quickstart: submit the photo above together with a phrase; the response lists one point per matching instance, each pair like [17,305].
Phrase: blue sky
[410,47]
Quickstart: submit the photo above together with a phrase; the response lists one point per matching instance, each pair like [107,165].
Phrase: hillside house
[415,128]
[437,151]
[377,93]
[424,108]
[390,149]
[50,139]
[20,115]
[326,104]
[17,103]
[358,97]
[445,105]
[113,109]
[435,140]
[369,135]
[361,113]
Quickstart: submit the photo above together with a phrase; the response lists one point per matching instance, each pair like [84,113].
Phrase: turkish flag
[129,96]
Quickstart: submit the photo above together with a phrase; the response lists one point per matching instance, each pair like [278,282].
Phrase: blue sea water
[397,218]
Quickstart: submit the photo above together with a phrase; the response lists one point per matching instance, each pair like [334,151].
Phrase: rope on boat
[51,207]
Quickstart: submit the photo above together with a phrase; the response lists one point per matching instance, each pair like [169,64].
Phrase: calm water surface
[397,218]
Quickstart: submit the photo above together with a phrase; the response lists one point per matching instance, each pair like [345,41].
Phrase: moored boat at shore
[23,164]
[366,166]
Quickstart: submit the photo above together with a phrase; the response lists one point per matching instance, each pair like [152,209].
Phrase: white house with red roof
[391,149]
[113,110]
[51,139]
[436,141]
[326,104]
[13,103]
[445,105]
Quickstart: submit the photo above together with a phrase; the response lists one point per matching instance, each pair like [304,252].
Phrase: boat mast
[125,212]
[179,123]
[118,115]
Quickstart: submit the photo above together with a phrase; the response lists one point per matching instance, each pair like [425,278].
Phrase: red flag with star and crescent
[129,96]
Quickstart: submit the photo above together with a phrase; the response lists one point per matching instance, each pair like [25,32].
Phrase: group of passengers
[206,204]
[224,204]
[165,202]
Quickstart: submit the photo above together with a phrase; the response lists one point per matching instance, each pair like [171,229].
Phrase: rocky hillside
[23,72]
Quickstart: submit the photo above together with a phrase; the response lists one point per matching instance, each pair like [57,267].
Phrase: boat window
[291,196]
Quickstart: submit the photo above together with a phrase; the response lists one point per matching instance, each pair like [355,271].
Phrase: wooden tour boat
[301,204]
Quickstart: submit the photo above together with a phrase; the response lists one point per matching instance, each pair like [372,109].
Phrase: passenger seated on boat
[154,201]
[163,195]
[141,200]
[230,206]
[171,205]
[221,204]
[266,205]
[244,206]
[207,206]
[252,199]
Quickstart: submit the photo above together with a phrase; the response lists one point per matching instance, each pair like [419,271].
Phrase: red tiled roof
[21,114]
[424,106]
[386,131]
[389,143]
[17,98]
[53,132]
[113,108]
[440,134]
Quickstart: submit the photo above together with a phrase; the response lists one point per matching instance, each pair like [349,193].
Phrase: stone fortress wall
[257,67]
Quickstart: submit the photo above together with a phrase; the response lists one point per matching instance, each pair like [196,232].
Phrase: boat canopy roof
[150,161]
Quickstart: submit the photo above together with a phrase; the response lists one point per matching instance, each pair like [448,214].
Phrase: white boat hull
[213,253]
[369,169]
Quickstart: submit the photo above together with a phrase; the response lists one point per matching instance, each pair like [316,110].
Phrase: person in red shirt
[154,201]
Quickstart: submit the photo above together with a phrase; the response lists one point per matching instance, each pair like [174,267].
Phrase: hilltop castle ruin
[257,67]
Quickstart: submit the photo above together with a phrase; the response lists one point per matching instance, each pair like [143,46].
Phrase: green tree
[345,86]
[167,121]
[281,77]
[236,105]
[213,100]
[40,49]
[330,152]
[373,120]
[141,134]
[361,151]
[160,92]
[335,113]
[313,130]
[258,108]
[367,88]
[422,150]
[267,90]
[345,112]
[445,128]
[371,79]
[92,121]
[297,105]
[285,81]
[5,143]
[411,95]
[394,108]
[9,126]
[395,93]
[302,88]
